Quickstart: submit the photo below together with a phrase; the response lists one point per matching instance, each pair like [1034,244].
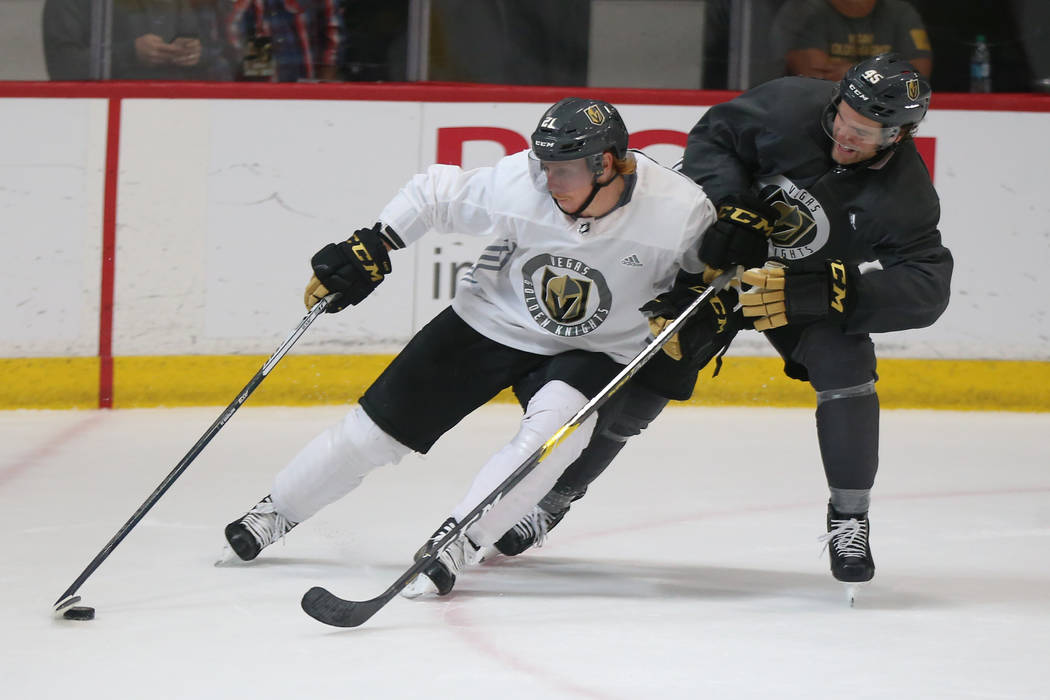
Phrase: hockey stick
[330,609]
[69,597]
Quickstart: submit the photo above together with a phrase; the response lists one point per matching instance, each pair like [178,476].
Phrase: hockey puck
[79,612]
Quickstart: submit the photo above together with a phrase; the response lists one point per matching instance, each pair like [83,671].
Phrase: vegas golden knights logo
[913,88]
[595,114]
[792,224]
[802,227]
[565,297]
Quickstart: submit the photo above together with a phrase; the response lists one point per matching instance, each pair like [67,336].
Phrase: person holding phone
[150,40]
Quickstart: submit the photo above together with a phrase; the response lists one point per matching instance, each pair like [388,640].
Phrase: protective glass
[560,176]
[851,133]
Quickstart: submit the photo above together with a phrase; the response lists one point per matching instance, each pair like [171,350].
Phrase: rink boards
[158,237]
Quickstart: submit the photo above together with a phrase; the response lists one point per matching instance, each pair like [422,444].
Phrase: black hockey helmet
[576,127]
[887,89]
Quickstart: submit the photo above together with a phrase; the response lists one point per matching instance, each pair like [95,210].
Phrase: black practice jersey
[769,141]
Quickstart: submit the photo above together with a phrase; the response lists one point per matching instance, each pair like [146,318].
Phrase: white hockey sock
[332,465]
[550,408]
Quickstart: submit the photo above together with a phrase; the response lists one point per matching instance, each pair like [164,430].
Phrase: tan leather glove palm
[708,323]
[765,300]
[315,292]
[673,346]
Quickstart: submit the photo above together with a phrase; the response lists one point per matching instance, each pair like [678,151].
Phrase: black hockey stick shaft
[69,596]
[330,609]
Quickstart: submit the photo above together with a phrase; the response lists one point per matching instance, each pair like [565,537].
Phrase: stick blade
[333,610]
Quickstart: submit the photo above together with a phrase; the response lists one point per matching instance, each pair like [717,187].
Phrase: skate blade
[420,586]
[227,557]
[852,589]
[485,554]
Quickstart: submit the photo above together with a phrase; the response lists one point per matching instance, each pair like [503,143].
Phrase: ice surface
[692,568]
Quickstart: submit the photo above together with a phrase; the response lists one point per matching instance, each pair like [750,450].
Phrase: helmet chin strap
[595,188]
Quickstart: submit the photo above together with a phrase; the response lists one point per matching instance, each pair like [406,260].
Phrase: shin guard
[550,408]
[333,464]
[848,432]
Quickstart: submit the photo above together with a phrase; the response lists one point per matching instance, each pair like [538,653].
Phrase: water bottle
[980,67]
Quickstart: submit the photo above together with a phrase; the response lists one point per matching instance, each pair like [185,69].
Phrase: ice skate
[439,577]
[257,529]
[850,551]
[530,531]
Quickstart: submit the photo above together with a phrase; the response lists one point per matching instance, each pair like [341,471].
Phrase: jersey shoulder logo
[494,258]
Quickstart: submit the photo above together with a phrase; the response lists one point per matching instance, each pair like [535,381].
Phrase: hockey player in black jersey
[837,162]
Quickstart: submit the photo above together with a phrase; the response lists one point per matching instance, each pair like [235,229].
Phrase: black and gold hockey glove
[354,268]
[800,293]
[741,234]
[701,331]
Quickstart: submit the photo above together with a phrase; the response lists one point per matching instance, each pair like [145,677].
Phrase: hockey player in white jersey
[585,232]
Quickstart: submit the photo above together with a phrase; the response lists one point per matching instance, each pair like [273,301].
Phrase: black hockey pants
[841,369]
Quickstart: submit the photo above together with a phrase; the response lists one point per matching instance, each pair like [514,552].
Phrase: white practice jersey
[549,283]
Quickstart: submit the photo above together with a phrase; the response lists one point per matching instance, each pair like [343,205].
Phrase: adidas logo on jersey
[631,261]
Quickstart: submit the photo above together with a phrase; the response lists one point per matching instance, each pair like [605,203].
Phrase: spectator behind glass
[518,42]
[285,41]
[151,40]
[376,40]
[823,38]
[763,63]
[1033,27]
[953,28]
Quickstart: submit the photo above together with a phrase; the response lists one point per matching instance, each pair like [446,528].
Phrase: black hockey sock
[559,498]
[598,454]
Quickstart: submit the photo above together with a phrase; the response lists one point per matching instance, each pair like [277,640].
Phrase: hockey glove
[706,325]
[354,268]
[799,294]
[741,234]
